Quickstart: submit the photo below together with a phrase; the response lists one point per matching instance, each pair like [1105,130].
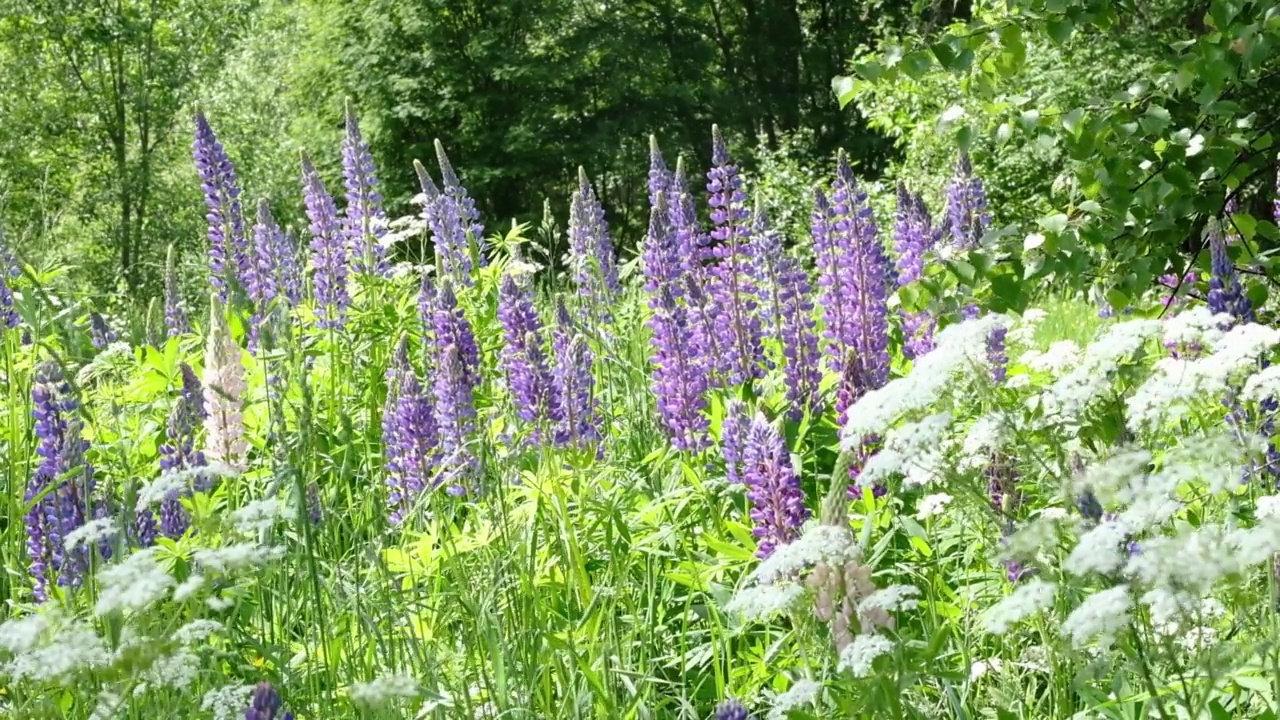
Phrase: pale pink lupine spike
[224,389]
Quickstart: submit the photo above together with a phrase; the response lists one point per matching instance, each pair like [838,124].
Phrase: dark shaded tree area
[522,92]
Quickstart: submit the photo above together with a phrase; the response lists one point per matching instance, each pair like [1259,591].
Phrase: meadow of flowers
[740,475]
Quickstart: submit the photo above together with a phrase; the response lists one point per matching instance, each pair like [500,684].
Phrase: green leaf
[916,64]
[1071,121]
[1055,223]
[843,86]
[1060,29]
[1032,241]
[1257,294]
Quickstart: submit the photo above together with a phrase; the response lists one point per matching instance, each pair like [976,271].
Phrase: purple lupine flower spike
[731,710]
[8,271]
[835,293]
[913,236]
[328,252]
[659,175]
[865,277]
[288,268]
[364,222]
[1275,202]
[466,206]
[409,437]
[679,381]
[799,341]
[260,283]
[997,356]
[573,385]
[448,234]
[663,266]
[179,452]
[455,416]
[767,260]
[591,254]
[62,481]
[731,284]
[733,438]
[451,327]
[775,493]
[175,319]
[690,242]
[705,336]
[228,248]
[100,333]
[523,359]
[265,703]
[1225,292]
[967,217]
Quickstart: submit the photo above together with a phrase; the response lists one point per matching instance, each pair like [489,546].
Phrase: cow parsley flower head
[134,584]
[1026,600]
[859,655]
[384,690]
[801,693]
[1101,616]
[227,702]
[932,506]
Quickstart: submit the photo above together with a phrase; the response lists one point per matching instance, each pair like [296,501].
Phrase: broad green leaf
[1055,223]
[1060,29]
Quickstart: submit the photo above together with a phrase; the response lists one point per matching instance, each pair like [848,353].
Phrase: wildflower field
[739,475]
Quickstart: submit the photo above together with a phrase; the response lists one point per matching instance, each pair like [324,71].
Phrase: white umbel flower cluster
[1101,616]
[384,690]
[860,654]
[133,584]
[1028,599]
[908,450]
[801,693]
[1077,390]
[259,516]
[227,702]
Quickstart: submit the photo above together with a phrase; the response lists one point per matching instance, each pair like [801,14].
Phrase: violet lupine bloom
[288,268]
[64,504]
[8,270]
[466,206]
[1174,284]
[451,327]
[328,253]
[1225,292]
[659,175]
[967,217]
[731,710]
[179,452]
[265,703]
[175,319]
[706,335]
[662,263]
[100,333]
[731,282]
[523,359]
[913,236]
[690,242]
[591,254]
[260,283]
[799,336]
[775,491]
[767,261]
[733,438]
[364,222]
[455,413]
[409,437]
[228,248]
[573,385]
[861,271]
[997,357]
[679,382]
[448,236]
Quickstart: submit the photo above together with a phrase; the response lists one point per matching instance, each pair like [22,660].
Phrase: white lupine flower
[959,348]
[224,389]
[383,690]
[1099,550]
[894,597]
[932,505]
[820,543]
[762,602]
[197,631]
[1268,506]
[237,556]
[227,702]
[1100,616]
[134,584]
[803,692]
[260,515]
[859,655]
[1028,599]
[90,533]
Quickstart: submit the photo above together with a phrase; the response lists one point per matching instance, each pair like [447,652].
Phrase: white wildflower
[803,692]
[1198,638]
[1028,599]
[258,516]
[133,584]
[820,543]
[1099,550]
[981,667]
[90,533]
[177,671]
[905,447]
[196,631]
[20,635]
[1192,560]
[986,435]
[894,597]
[1262,385]
[761,602]
[1054,513]
[1084,385]
[924,469]
[1024,330]
[1018,381]
[960,347]
[1057,359]
[1256,545]
[237,556]
[170,483]
[72,648]
[1100,616]
[188,587]
[1111,477]
[859,655]
[1268,506]
[1195,326]
[383,690]
[1034,658]
[108,707]
[227,702]
[932,505]
[217,603]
